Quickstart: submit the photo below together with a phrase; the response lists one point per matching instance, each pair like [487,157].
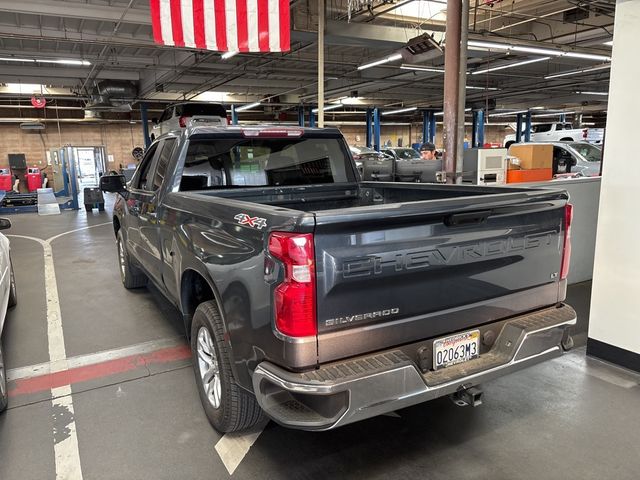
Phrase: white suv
[177,116]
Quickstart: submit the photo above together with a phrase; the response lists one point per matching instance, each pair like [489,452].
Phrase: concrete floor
[574,417]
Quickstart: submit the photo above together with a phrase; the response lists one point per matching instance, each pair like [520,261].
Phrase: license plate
[456,349]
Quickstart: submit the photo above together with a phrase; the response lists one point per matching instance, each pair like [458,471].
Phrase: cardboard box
[532,175]
[533,156]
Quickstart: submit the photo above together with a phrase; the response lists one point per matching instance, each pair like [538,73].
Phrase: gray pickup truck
[320,300]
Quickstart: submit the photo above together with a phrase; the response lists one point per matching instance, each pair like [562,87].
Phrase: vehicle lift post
[432,126]
[312,118]
[376,129]
[563,117]
[144,118]
[368,140]
[477,136]
[518,128]
[234,115]
[300,116]
[527,129]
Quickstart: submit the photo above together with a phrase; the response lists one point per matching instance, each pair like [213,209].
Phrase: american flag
[222,25]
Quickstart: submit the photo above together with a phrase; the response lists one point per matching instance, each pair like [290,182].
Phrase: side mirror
[113,183]
[5,223]
[154,120]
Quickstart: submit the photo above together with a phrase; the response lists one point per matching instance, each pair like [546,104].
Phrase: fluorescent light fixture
[390,58]
[588,124]
[507,114]
[509,65]
[328,107]
[555,114]
[45,60]
[471,87]
[401,110]
[83,63]
[489,45]
[227,55]
[604,94]
[442,113]
[421,68]
[579,71]
[248,106]
[588,56]
[539,51]
[13,59]
[609,43]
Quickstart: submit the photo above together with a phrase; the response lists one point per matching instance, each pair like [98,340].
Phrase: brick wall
[119,140]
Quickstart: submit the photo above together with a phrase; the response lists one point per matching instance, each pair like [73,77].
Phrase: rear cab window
[236,161]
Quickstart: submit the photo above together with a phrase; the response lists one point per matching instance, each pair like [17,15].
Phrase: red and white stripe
[222,25]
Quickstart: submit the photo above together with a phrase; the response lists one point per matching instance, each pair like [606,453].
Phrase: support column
[480,127]
[614,326]
[518,128]
[321,63]
[527,127]
[452,86]
[300,116]
[234,115]
[144,117]
[368,139]
[376,129]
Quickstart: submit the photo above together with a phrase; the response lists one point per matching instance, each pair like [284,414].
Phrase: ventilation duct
[32,126]
[112,95]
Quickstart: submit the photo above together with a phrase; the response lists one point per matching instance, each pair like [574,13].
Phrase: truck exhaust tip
[467,396]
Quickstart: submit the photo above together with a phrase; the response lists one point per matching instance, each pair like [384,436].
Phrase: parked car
[402,153]
[559,132]
[176,116]
[8,299]
[321,300]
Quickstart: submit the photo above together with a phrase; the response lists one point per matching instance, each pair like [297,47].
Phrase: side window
[163,162]
[140,178]
[178,110]
[165,115]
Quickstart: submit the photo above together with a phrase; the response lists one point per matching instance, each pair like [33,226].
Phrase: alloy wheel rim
[208,367]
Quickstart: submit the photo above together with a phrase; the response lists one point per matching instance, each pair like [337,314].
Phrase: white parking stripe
[233,447]
[67,456]
[94,358]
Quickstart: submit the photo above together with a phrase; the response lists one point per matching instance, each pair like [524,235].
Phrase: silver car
[8,299]
[402,153]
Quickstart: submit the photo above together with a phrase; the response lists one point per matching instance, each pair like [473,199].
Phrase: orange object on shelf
[532,175]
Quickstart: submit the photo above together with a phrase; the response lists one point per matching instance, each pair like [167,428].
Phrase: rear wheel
[13,291]
[131,277]
[228,406]
[508,144]
[4,398]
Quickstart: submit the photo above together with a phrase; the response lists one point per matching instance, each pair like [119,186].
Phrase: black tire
[101,207]
[88,207]
[13,291]
[4,397]
[131,276]
[237,409]
[508,144]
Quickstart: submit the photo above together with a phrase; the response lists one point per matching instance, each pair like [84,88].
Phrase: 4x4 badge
[256,222]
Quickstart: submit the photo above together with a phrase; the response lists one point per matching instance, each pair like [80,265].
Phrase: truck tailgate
[432,268]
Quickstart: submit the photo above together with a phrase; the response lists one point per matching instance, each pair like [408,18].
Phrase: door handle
[464,219]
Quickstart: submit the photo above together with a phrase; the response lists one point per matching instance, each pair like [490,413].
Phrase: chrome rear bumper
[363,387]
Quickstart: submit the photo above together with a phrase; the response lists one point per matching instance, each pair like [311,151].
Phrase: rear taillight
[283,132]
[585,133]
[183,121]
[295,297]
[566,251]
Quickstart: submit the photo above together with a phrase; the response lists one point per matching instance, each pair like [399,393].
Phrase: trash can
[34,179]
[93,199]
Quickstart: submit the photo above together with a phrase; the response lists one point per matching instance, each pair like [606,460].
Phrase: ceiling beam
[83,11]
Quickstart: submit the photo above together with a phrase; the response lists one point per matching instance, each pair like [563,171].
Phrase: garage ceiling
[101,41]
